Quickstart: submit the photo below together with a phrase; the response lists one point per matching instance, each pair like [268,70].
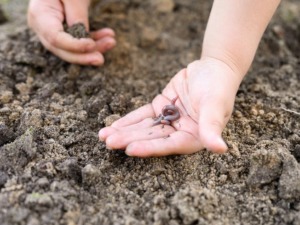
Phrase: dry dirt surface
[53,169]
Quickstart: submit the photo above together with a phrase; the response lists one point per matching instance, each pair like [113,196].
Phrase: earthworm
[169,114]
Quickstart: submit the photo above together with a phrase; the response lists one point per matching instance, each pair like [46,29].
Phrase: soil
[53,169]
[3,18]
[77,30]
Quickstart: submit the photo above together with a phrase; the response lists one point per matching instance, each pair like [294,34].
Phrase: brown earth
[53,170]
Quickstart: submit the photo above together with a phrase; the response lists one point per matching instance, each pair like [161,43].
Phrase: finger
[65,41]
[105,44]
[148,122]
[90,58]
[135,116]
[178,142]
[120,139]
[107,131]
[76,12]
[146,111]
[171,89]
[212,121]
[179,84]
[185,123]
[104,32]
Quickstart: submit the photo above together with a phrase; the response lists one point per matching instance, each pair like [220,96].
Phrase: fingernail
[98,59]
[109,148]
[90,47]
[217,146]
[222,142]
[108,46]
[100,135]
[96,62]
[101,139]
[129,151]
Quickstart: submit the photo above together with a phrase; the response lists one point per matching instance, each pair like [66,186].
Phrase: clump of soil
[53,169]
[78,30]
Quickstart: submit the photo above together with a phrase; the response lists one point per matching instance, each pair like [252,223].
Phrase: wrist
[215,76]
[228,59]
[234,31]
[227,67]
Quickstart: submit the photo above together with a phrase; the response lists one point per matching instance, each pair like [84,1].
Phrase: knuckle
[83,48]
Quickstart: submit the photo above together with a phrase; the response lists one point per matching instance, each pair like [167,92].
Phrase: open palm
[205,91]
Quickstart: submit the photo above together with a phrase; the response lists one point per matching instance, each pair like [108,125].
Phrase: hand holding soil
[46,19]
[205,91]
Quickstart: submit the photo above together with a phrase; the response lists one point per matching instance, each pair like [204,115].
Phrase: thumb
[76,11]
[213,118]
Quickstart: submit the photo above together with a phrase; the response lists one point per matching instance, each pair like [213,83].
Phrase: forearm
[234,30]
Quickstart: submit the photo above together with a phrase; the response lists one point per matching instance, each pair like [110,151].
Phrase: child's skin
[46,18]
[206,89]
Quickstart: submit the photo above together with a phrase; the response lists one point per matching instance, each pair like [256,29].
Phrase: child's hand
[46,18]
[206,92]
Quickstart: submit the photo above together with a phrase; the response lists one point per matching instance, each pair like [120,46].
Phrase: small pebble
[81,115]
[163,6]
[37,199]
[23,88]
[5,110]
[110,119]
[57,108]
[90,174]
[43,182]
[6,97]
[254,111]
[149,37]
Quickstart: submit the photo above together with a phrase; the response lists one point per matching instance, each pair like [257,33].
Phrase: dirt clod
[112,118]
[265,166]
[289,184]
[90,175]
[3,178]
[78,30]
[6,134]
[16,155]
